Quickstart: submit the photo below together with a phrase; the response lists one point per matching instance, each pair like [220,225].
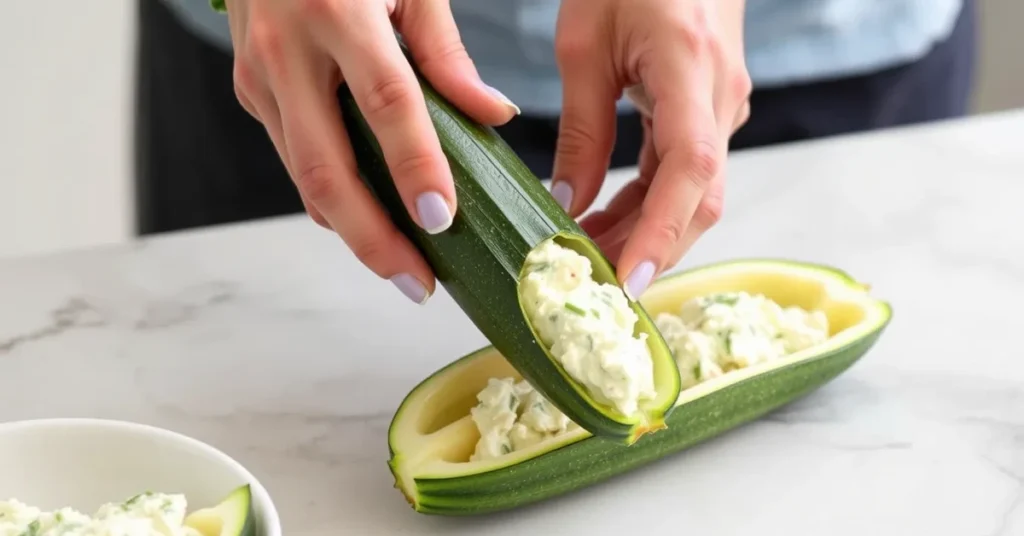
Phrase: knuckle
[743,117]
[247,105]
[265,44]
[697,40]
[245,79]
[670,229]
[316,182]
[317,9]
[245,88]
[242,75]
[740,85]
[240,96]
[692,30]
[448,52]
[415,165]
[574,141]
[704,162]
[387,95]
[570,47]
[709,212]
[371,249]
[318,218]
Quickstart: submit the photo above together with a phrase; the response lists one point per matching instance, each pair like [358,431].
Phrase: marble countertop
[271,342]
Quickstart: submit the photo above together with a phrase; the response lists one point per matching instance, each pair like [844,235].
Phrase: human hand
[290,58]
[683,64]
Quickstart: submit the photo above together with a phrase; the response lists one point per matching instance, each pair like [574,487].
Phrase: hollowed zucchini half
[432,435]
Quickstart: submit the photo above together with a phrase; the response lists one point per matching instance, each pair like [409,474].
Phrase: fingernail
[562,192]
[639,279]
[411,287]
[434,213]
[508,102]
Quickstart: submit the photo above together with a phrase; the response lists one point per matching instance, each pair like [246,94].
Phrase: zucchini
[232,517]
[504,213]
[432,435]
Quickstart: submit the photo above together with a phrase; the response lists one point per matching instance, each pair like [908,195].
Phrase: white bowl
[84,463]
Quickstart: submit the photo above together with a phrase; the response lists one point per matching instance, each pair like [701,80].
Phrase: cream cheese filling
[588,327]
[710,336]
[146,514]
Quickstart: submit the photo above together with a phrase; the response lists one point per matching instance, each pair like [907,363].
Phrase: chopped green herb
[59,517]
[725,299]
[696,371]
[540,267]
[575,309]
[597,314]
[602,295]
[727,339]
[513,402]
[590,342]
[135,499]
[553,318]
[506,448]
[32,529]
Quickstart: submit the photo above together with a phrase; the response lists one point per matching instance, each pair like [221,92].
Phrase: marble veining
[270,341]
[76,313]
[183,307]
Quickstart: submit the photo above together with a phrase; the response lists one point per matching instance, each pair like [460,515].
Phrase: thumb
[429,30]
[586,131]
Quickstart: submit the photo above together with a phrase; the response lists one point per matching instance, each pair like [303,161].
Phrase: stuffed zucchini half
[531,280]
[436,434]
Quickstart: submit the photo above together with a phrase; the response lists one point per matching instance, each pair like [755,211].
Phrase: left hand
[683,65]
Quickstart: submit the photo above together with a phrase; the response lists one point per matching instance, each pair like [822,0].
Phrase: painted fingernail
[411,287]
[501,96]
[562,192]
[434,213]
[639,279]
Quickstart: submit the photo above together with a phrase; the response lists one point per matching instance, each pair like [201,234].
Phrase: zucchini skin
[249,527]
[593,459]
[236,504]
[504,212]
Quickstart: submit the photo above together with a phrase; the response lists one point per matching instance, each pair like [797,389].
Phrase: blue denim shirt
[787,41]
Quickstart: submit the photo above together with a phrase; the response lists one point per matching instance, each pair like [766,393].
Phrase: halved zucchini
[504,213]
[432,436]
[232,517]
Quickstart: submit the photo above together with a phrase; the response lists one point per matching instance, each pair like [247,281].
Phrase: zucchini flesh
[432,436]
[504,213]
[233,516]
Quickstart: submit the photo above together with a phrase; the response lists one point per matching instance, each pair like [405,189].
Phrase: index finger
[686,141]
[388,93]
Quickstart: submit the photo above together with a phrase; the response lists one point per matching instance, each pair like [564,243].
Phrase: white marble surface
[270,341]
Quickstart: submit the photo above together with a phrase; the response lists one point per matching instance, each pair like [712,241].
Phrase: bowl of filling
[79,477]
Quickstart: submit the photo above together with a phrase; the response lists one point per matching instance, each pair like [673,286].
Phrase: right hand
[290,58]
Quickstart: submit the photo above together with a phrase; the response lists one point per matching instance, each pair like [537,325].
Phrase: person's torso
[787,41]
